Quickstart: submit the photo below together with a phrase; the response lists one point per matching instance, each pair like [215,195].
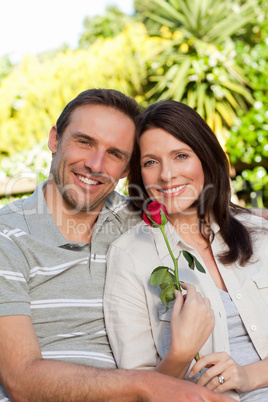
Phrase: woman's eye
[181,156]
[148,163]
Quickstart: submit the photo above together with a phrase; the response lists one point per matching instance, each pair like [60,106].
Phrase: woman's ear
[53,140]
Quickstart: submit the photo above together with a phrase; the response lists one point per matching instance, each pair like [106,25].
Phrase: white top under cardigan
[138,327]
[242,349]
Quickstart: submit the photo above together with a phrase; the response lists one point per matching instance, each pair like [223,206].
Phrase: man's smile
[87,180]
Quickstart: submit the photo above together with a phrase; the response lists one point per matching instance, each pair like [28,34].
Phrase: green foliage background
[212,55]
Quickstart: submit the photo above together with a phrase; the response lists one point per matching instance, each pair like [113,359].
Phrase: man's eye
[115,154]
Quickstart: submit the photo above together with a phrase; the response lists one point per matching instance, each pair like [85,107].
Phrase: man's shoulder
[12,214]
[18,213]
[122,208]
[136,238]
[118,203]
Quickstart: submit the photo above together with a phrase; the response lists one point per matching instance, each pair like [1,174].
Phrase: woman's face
[171,172]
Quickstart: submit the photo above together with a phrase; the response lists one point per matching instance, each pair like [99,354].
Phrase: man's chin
[76,206]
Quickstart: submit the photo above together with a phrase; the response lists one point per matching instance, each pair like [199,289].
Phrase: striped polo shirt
[56,282]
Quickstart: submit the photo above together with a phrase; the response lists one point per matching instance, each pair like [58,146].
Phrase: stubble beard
[75,199]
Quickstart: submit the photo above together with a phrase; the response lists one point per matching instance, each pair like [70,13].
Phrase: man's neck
[74,225]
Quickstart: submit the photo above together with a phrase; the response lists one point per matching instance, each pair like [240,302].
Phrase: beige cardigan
[139,330]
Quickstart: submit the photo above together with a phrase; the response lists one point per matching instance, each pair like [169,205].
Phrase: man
[53,344]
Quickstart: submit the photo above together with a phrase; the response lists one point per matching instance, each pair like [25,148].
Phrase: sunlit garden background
[210,54]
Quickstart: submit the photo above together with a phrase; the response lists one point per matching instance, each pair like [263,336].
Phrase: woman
[180,164]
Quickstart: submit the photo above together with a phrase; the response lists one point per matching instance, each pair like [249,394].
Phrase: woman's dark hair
[99,96]
[186,125]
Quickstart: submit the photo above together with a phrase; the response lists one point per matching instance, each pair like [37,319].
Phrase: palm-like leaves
[197,62]
[210,20]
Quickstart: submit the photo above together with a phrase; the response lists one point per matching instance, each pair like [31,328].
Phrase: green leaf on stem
[199,266]
[161,275]
[189,258]
[193,261]
[167,294]
[168,281]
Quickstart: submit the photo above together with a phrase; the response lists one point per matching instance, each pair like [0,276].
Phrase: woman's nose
[166,172]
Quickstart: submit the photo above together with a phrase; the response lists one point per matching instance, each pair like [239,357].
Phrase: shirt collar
[41,225]
[174,238]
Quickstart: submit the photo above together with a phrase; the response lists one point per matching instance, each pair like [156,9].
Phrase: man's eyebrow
[120,151]
[80,134]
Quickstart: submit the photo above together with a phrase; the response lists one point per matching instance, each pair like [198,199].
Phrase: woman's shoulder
[252,221]
[258,230]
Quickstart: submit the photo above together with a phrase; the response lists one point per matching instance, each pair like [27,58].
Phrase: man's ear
[53,140]
[125,173]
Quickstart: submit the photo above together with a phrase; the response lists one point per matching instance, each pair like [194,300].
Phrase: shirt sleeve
[14,276]
[126,314]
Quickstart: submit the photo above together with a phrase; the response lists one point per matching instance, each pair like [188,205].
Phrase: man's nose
[95,161]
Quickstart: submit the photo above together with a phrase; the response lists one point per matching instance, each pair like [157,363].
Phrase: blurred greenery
[5,67]
[197,64]
[210,54]
[33,95]
[247,144]
[103,26]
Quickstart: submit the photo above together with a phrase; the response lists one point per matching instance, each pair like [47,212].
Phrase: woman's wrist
[174,364]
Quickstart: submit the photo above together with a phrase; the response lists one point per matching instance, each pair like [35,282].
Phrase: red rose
[156,214]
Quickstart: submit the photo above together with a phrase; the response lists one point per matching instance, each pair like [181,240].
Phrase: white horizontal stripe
[80,301]
[72,334]
[5,400]
[98,258]
[119,206]
[11,232]
[76,354]
[66,303]
[16,232]
[102,332]
[20,234]
[14,276]
[57,268]
[5,236]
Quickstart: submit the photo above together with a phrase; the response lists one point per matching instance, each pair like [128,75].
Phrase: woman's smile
[173,191]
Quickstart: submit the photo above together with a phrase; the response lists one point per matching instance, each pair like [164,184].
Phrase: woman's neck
[188,227]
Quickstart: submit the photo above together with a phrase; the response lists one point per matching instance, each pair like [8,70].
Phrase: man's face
[92,155]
